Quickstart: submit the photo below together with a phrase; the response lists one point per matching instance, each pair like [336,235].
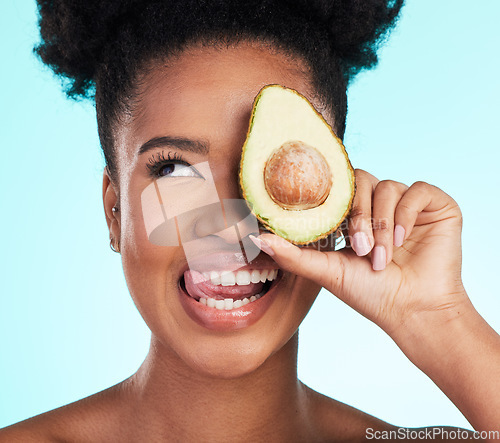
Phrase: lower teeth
[228,304]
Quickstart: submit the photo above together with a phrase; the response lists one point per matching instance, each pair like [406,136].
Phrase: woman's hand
[404,273]
[405,257]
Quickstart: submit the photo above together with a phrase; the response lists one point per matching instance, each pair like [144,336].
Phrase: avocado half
[294,172]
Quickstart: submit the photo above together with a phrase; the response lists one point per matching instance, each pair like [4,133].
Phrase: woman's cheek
[148,267]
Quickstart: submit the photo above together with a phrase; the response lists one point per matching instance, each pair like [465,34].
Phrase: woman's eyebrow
[184,144]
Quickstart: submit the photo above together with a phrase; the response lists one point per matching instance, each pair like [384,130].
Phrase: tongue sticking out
[197,286]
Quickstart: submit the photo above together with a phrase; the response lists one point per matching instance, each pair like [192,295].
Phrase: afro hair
[99,47]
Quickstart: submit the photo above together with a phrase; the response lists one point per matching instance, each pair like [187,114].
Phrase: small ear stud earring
[115,209]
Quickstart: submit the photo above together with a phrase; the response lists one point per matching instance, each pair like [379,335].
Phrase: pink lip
[224,321]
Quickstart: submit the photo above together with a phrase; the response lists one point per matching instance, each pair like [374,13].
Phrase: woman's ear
[111,206]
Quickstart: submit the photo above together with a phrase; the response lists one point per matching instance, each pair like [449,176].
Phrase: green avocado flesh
[300,197]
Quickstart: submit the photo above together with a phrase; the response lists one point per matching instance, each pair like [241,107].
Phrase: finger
[386,197]
[321,267]
[360,228]
[420,200]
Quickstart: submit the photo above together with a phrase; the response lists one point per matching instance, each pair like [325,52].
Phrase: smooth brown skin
[197,385]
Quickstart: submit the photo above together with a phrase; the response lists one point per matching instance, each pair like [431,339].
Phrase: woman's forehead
[209,88]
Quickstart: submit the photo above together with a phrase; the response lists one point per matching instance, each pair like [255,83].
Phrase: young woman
[174,88]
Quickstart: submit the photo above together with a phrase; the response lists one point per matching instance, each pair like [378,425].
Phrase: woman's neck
[167,398]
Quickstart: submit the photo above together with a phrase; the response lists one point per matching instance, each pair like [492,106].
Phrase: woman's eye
[177,170]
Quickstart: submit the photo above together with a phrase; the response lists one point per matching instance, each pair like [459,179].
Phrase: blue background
[68,327]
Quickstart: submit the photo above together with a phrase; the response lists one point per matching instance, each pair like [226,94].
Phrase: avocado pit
[297,176]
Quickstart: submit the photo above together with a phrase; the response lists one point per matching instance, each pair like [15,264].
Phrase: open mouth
[228,290]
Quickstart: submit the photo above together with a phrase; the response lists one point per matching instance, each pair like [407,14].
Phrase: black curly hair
[100,47]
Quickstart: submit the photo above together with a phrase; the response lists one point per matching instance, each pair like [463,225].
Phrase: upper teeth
[229,278]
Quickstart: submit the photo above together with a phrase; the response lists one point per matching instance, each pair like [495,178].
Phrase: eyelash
[156,162]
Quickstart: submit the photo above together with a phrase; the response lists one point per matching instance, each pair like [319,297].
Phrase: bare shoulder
[339,422]
[94,418]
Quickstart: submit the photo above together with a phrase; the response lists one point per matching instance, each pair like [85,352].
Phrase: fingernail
[399,235]
[262,245]
[360,243]
[378,258]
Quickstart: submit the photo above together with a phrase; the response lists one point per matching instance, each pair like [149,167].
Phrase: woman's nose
[230,220]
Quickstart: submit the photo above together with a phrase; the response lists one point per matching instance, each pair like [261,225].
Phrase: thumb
[324,268]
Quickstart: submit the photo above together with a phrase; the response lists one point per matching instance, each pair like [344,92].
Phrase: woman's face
[198,107]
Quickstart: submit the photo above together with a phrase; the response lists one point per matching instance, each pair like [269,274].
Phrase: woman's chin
[230,344]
